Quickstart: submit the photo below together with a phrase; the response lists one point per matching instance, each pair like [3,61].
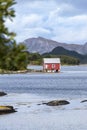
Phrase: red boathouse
[51,64]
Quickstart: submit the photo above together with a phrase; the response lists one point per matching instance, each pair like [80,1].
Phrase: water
[25,91]
[71,82]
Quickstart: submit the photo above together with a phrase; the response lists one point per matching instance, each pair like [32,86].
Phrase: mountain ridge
[42,45]
[60,51]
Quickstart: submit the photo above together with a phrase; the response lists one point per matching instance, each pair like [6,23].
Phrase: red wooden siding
[50,66]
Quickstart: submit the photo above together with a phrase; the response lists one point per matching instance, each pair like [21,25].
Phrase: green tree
[12,55]
[34,58]
[6,11]
[5,36]
[16,59]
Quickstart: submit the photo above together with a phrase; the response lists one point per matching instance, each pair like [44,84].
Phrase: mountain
[43,45]
[60,51]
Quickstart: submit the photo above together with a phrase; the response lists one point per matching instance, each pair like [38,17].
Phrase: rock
[83,101]
[3,93]
[57,103]
[6,109]
[38,104]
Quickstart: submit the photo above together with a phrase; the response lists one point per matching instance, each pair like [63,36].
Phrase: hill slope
[61,51]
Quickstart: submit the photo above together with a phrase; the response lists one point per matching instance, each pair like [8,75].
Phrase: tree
[16,59]
[34,58]
[12,55]
[5,36]
[6,12]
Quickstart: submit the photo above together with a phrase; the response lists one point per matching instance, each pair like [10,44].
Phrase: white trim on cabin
[51,60]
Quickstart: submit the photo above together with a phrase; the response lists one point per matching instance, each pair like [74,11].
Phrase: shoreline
[30,70]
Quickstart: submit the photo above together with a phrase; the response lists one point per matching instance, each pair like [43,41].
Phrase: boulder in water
[6,109]
[83,101]
[57,103]
[3,93]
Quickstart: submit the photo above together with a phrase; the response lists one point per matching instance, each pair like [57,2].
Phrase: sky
[60,20]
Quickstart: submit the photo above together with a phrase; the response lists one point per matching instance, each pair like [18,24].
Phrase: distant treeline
[67,57]
[37,59]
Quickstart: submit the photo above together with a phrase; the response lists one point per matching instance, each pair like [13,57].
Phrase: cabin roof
[51,60]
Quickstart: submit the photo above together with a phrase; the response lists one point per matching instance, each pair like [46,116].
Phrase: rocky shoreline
[19,71]
[6,109]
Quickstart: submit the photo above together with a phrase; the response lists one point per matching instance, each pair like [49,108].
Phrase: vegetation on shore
[37,59]
[67,57]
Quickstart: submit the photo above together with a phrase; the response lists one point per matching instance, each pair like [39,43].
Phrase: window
[53,66]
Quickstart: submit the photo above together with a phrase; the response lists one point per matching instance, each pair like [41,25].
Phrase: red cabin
[51,65]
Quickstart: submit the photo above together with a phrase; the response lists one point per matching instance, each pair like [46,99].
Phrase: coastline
[19,71]
[38,69]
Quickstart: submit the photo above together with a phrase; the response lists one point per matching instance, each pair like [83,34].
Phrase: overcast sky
[59,20]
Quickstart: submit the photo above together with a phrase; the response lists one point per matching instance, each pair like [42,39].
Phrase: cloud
[61,20]
[34,32]
[31,20]
[73,30]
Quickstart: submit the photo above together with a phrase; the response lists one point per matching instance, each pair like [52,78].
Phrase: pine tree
[5,36]
[12,56]
[6,11]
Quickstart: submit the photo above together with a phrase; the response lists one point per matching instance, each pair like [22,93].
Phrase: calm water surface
[72,81]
